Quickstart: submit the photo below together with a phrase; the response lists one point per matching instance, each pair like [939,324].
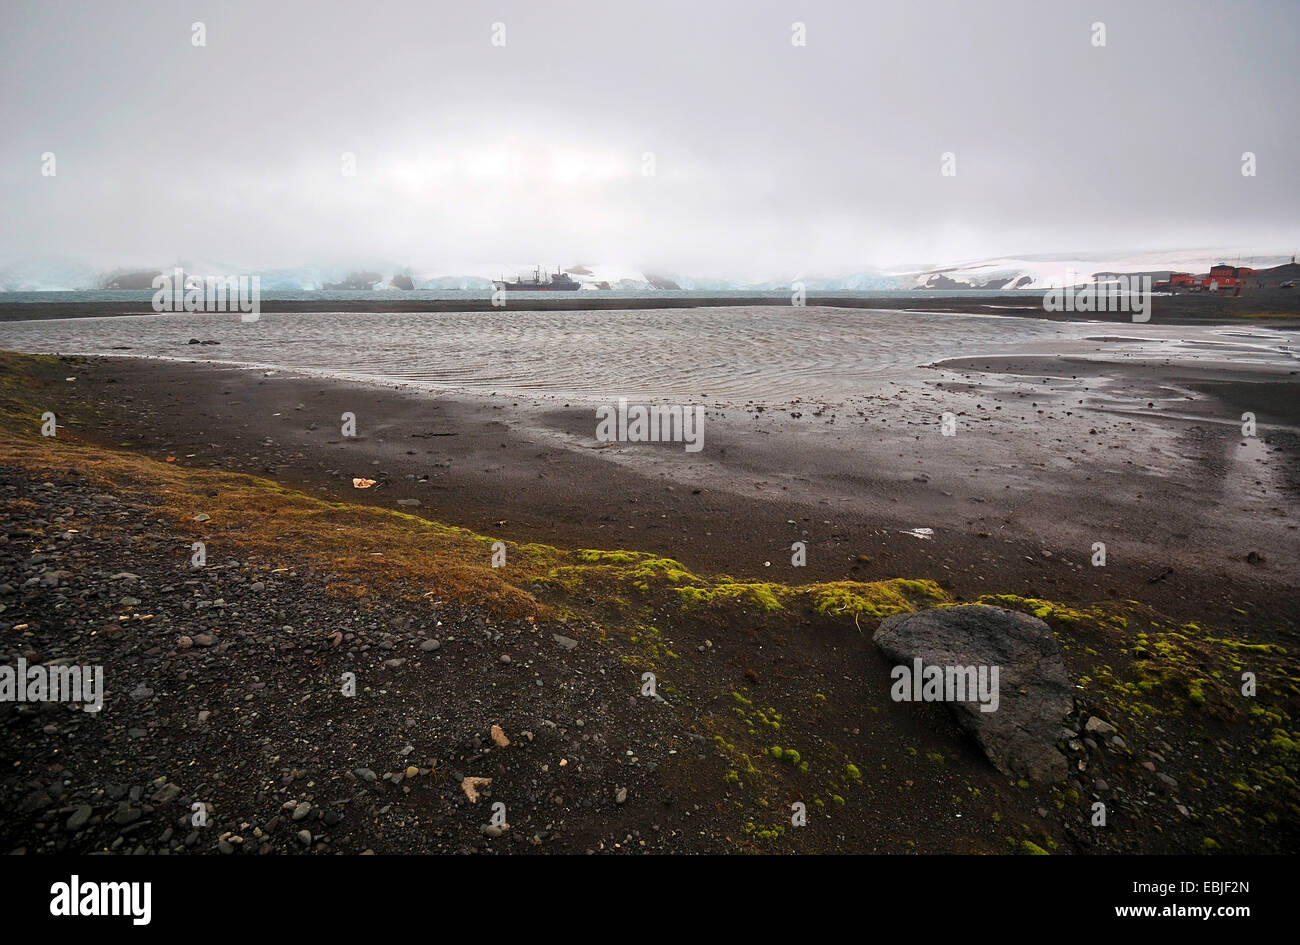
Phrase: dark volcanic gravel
[223,688]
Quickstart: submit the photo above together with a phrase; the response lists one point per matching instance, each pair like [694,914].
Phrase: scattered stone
[1097,727]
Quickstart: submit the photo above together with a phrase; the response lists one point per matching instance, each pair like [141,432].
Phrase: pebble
[429,646]
[1098,727]
[79,817]
[301,811]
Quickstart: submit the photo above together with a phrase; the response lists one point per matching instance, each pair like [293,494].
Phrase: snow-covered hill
[1040,272]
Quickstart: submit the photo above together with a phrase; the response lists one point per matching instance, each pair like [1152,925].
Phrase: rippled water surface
[761,353]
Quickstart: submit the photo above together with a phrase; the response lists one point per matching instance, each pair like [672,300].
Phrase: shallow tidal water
[762,353]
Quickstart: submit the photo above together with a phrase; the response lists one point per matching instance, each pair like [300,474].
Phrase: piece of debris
[471,785]
[919,532]
[358,483]
[499,737]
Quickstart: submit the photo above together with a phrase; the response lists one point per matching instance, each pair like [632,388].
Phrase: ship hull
[509,287]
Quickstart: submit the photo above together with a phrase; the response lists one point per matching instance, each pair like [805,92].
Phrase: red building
[1221,277]
[1177,280]
[1224,276]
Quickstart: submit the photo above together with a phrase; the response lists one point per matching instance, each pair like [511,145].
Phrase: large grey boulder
[1033,693]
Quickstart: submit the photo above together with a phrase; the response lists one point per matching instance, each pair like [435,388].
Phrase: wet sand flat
[1047,459]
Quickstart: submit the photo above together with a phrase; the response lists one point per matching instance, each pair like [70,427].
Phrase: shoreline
[1278,305]
[772,686]
[1024,489]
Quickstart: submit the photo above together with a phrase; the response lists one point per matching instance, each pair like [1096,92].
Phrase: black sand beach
[1028,472]
[1051,455]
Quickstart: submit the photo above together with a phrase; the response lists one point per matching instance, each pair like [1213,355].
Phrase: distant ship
[541,282]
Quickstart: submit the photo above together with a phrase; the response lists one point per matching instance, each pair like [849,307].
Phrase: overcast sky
[769,158]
